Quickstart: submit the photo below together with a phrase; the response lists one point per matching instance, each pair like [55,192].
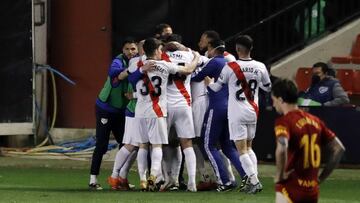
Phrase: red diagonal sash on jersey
[247,91]
[178,83]
[165,57]
[181,87]
[154,99]
[139,63]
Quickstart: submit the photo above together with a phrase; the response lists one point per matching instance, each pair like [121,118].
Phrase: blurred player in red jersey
[300,138]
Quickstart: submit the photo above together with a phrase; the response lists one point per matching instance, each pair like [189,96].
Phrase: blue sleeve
[135,77]
[115,69]
[206,71]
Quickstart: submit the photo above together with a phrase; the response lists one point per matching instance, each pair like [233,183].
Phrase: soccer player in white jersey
[200,104]
[244,77]
[179,117]
[151,107]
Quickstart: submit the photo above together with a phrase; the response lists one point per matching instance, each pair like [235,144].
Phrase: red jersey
[306,134]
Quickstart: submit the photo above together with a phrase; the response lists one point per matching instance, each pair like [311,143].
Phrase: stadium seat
[341,59]
[354,56]
[345,77]
[303,78]
[356,82]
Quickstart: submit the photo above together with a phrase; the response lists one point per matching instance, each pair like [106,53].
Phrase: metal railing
[295,26]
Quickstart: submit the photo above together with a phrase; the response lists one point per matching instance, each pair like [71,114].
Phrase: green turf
[28,180]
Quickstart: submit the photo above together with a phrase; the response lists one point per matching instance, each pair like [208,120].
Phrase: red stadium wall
[80,47]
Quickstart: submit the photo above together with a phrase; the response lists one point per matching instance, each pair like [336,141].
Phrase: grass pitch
[31,180]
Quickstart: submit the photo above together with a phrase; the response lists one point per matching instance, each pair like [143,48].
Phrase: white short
[132,131]
[153,130]
[199,107]
[240,131]
[181,118]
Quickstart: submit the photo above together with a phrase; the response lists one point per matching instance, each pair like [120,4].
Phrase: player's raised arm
[123,74]
[135,76]
[223,79]
[189,68]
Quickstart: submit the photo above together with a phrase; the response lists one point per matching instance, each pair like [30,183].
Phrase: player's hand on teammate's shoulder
[129,95]
[123,74]
[196,54]
[149,66]
[208,80]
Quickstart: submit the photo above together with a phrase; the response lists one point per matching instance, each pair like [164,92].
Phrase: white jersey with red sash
[135,63]
[244,78]
[151,91]
[178,89]
[198,89]
[229,57]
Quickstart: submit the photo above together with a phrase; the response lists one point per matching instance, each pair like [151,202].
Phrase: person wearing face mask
[324,88]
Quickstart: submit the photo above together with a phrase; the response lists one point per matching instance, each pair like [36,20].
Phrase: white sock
[93,179]
[248,168]
[142,163]
[176,164]
[124,171]
[120,158]
[228,167]
[156,157]
[253,158]
[159,176]
[190,161]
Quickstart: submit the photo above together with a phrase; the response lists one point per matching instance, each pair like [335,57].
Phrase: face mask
[315,79]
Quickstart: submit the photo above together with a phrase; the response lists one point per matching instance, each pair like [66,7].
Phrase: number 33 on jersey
[151,91]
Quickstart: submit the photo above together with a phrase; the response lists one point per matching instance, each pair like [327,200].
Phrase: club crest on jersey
[323,89]
[104,121]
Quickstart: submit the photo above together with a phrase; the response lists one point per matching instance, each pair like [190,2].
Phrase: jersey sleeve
[282,128]
[172,68]
[133,66]
[223,79]
[208,70]
[224,75]
[265,79]
[115,69]
[229,57]
[202,61]
[134,77]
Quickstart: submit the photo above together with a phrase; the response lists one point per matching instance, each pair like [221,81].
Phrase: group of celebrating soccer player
[166,103]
